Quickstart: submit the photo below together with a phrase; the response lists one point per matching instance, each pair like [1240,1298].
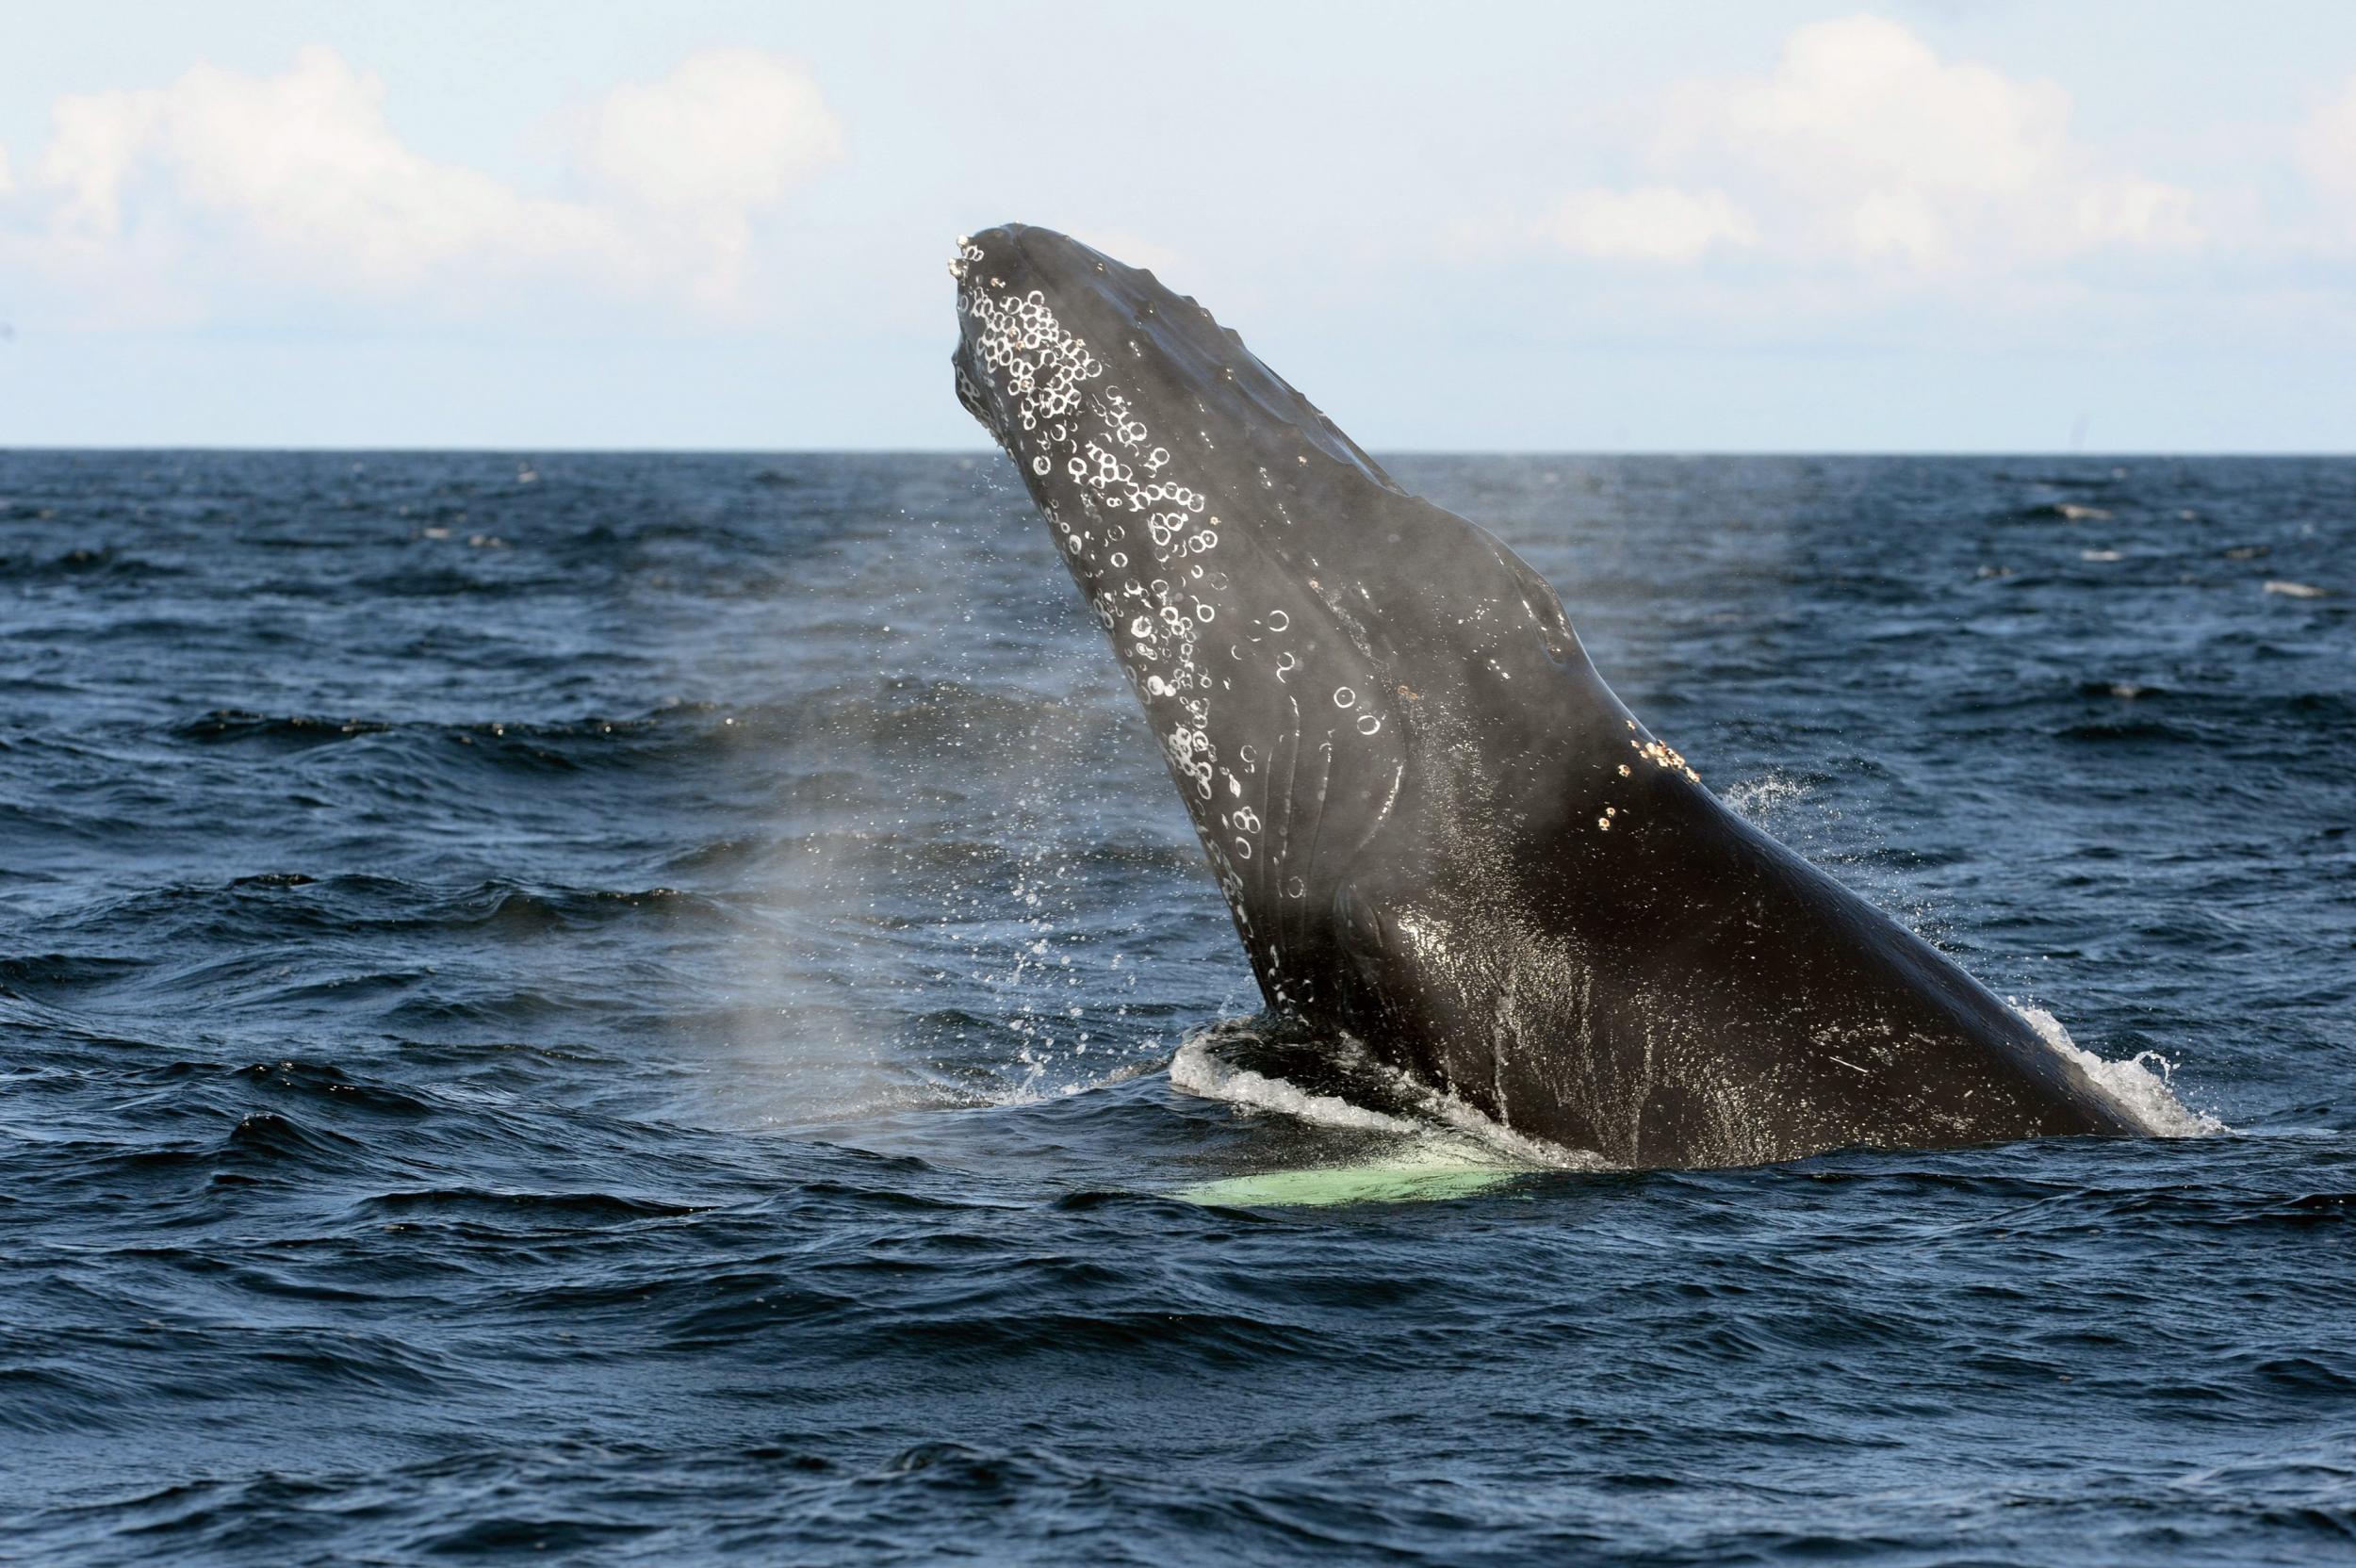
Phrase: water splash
[2142,1086]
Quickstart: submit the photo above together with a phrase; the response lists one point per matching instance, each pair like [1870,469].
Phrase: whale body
[1437,829]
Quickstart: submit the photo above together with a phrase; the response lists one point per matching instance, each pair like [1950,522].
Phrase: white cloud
[2327,149]
[304,168]
[729,129]
[1863,148]
[723,137]
[300,176]
[1648,224]
[7,184]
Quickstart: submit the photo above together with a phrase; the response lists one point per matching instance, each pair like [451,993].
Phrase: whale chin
[1436,828]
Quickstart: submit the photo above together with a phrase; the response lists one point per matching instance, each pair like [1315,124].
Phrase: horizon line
[421,448]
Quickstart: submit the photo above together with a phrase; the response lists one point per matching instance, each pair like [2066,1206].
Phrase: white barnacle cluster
[1661,754]
[1141,541]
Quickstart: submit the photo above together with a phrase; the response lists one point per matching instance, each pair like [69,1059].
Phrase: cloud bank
[138,195]
[2328,149]
[1862,149]
[1843,187]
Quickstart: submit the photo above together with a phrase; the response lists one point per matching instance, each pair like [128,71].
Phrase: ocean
[649,1008]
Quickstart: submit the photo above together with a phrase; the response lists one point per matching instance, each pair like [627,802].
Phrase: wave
[861,724]
[2066,511]
[85,564]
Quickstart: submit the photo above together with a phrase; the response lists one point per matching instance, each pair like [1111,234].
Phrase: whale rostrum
[1437,829]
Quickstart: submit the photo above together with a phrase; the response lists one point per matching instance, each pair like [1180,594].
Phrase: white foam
[1446,1132]
[2139,1086]
[1199,1071]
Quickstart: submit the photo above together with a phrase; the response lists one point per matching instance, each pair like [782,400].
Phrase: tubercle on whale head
[1125,315]
[1010,328]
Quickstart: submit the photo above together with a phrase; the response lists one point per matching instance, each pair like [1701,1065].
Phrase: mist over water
[640,1006]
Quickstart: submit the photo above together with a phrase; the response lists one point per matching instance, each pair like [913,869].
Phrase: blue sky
[1661,227]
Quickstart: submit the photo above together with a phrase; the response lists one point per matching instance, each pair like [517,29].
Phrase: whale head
[1317,651]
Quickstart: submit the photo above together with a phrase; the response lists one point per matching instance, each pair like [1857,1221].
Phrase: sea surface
[649,1008]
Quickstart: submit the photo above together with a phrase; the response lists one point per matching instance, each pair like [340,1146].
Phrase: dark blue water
[620,1008]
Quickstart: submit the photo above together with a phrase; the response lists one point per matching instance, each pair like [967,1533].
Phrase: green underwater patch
[1388,1181]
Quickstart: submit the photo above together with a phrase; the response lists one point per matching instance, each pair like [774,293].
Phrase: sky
[1920,226]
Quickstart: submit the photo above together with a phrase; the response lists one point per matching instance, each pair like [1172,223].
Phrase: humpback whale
[1437,829]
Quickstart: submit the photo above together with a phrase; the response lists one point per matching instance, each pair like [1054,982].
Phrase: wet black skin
[1675,990]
